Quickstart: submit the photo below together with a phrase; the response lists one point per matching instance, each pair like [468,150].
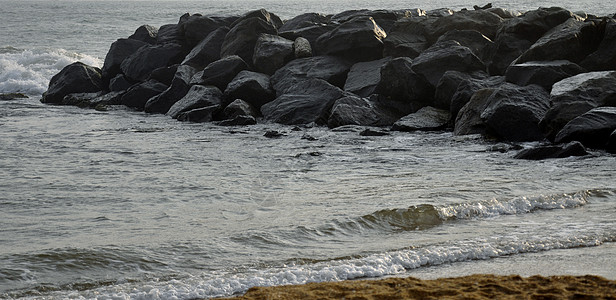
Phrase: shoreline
[478,286]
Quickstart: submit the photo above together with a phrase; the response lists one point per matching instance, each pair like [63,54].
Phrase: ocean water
[126,205]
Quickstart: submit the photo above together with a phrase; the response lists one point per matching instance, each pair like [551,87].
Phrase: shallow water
[122,204]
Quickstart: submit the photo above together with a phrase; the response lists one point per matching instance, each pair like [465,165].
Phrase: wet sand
[466,287]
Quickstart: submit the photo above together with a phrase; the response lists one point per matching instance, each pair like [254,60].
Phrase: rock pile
[547,74]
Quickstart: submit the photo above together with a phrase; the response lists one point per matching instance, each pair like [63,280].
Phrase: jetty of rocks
[543,75]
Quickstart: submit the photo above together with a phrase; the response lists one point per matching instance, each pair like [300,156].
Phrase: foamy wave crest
[514,206]
[29,71]
[377,265]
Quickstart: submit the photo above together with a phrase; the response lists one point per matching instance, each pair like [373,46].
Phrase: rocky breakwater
[544,75]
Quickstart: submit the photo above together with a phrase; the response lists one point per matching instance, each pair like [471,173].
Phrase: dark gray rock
[222,71]
[119,83]
[446,56]
[111,98]
[482,21]
[79,99]
[240,107]
[353,110]
[199,115]
[74,78]
[118,52]
[303,21]
[262,14]
[604,58]
[305,102]
[164,75]
[331,69]
[198,96]
[542,73]
[359,39]
[503,13]
[251,87]
[468,120]
[271,53]
[385,18]
[239,121]
[198,27]
[593,128]
[140,64]
[513,112]
[136,96]
[426,119]
[242,38]
[364,77]
[516,35]
[408,37]
[170,33]
[401,84]
[573,96]
[480,44]
[302,48]
[611,143]
[178,89]
[448,86]
[373,132]
[12,96]
[146,34]
[572,40]
[552,151]
[207,51]
[468,87]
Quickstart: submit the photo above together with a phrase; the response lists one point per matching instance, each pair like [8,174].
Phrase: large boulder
[573,96]
[74,78]
[208,50]
[480,44]
[198,96]
[119,83]
[572,40]
[309,26]
[199,115]
[353,110]
[604,58]
[408,37]
[251,87]
[239,108]
[552,151]
[118,52]
[331,69]
[198,27]
[145,33]
[139,94]
[262,14]
[222,71]
[593,128]
[448,86]
[611,143]
[446,56]
[482,21]
[359,39]
[542,73]
[513,112]
[271,53]
[140,64]
[164,75]
[170,33]
[426,119]
[242,37]
[385,18]
[516,35]
[468,120]
[467,88]
[401,84]
[178,88]
[308,101]
[364,77]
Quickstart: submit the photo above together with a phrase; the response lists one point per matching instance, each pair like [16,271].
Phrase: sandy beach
[466,287]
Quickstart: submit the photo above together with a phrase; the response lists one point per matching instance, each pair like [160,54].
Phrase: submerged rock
[552,151]
[197,97]
[425,119]
[353,110]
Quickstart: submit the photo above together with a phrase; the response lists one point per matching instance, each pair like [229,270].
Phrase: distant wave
[28,71]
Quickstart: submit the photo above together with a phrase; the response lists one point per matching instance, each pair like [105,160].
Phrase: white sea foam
[29,71]
[377,265]
[514,206]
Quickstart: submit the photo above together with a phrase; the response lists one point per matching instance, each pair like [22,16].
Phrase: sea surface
[127,205]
